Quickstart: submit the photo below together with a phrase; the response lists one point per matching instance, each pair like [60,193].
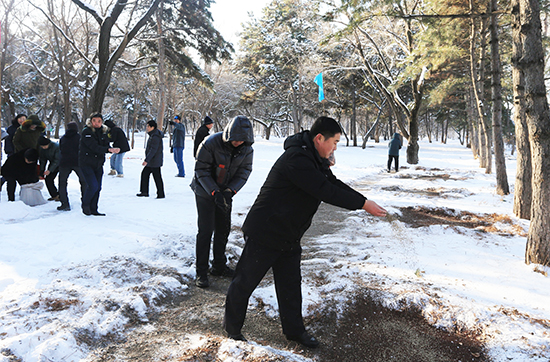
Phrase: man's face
[237,143]
[325,146]
[20,120]
[148,128]
[45,147]
[97,122]
[209,126]
[177,120]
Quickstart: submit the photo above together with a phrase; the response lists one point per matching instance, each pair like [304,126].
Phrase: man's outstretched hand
[374,209]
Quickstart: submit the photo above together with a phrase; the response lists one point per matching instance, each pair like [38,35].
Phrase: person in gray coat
[223,165]
[153,161]
[393,153]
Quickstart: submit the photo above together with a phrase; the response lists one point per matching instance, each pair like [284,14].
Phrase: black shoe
[86,210]
[225,272]
[64,208]
[305,339]
[160,197]
[97,213]
[202,281]
[54,198]
[141,194]
[237,337]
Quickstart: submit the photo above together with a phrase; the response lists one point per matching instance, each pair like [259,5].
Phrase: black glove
[220,201]
[172,122]
[228,196]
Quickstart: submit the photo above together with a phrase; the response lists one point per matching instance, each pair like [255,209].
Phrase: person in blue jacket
[178,144]
[153,161]
[393,152]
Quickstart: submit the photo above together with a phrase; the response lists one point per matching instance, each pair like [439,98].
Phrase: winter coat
[153,150]
[94,144]
[297,183]
[9,148]
[18,169]
[51,155]
[178,137]
[219,165]
[395,145]
[201,134]
[68,149]
[117,136]
[24,137]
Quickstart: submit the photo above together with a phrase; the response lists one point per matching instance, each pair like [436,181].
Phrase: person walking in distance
[297,183]
[224,163]
[178,144]
[94,144]
[153,161]
[393,152]
[202,133]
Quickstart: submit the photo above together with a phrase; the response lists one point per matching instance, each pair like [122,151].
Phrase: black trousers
[144,185]
[64,173]
[50,185]
[94,179]
[254,263]
[211,220]
[11,185]
[396,158]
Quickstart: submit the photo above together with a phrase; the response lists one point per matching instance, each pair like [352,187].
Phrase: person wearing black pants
[49,155]
[68,162]
[153,161]
[297,183]
[222,167]
[393,152]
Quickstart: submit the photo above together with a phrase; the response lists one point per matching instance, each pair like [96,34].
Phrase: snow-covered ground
[66,278]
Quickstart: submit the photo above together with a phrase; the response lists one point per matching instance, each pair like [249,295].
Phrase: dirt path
[365,331]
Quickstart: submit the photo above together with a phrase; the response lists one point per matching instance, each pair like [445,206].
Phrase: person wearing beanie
[224,163]
[68,162]
[178,144]
[28,133]
[49,156]
[21,168]
[119,139]
[202,133]
[153,161]
[94,144]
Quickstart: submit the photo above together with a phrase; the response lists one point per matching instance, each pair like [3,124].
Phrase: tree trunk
[161,69]
[353,126]
[527,28]
[496,93]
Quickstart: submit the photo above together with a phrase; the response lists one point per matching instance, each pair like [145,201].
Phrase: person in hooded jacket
[49,156]
[119,140]
[94,144]
[69,145]
[223,165]
[297,183]
[393,152]
[9,148]
[202,133]
[28,134]
[153,161]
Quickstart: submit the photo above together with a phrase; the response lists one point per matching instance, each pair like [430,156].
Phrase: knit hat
[72,125]
[43,141]
[207,120]
[34,118]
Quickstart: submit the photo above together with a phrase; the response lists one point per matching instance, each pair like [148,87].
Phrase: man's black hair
[326,126]
[96,115]
[152,124]
[31,155]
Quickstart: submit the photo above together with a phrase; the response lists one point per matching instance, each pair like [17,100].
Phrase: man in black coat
[297,183]
[153,161]
[68,162]
[94,144]
[224,162]
[202,133]
[20,167]
[118,138]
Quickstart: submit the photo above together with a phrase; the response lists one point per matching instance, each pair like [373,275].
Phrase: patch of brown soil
[419,216]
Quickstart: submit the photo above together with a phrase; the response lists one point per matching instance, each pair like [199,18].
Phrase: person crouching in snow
[21,167]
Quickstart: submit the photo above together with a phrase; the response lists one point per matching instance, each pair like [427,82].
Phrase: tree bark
[496,93]
[527,28]
[161,69]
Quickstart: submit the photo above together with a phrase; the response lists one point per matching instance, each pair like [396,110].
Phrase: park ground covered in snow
[65,276]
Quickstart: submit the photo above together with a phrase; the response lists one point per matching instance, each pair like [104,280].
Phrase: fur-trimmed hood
[103,127]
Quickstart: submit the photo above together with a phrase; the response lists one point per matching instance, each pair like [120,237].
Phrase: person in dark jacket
[393,152]
[178,144]
[224,163]
[9,148]
[153,161]
[119,140]
[49,156]
[202,133]
[297,183]
[94,144]
[20,167]
[68,162]
[28,134]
